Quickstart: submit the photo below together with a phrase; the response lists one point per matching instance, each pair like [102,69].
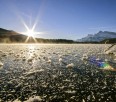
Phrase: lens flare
[102,64]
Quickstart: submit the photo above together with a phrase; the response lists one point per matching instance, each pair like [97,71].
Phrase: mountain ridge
[101,35]
[10,36]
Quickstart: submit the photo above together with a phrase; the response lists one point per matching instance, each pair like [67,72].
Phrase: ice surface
[56,73]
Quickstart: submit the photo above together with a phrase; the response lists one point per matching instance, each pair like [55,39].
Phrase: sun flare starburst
[30,32]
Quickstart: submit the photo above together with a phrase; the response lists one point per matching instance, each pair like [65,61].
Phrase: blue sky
[66,19]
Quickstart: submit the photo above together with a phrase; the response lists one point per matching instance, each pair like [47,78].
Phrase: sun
[30,33]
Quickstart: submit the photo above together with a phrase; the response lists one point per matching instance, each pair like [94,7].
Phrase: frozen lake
[56,73]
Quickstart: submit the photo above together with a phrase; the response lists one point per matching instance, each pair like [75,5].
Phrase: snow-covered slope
[101,35]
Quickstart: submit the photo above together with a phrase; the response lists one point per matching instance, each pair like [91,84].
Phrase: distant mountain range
[98,37]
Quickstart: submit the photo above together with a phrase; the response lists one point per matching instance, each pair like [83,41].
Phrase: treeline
[12,38]
[40,40]
[109,41]
[9,36]
[25,39]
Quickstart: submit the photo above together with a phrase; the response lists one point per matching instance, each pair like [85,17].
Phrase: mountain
[98,37]
[4,32]
[9,36]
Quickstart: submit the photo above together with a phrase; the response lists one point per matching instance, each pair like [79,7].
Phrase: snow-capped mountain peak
[101,35]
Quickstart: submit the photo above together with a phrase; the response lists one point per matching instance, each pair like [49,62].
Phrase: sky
[59,19]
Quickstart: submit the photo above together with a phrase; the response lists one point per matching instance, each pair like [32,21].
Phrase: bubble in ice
[24,58]
[4,54]
[17,55]
[66,80]
[35,99]
[62,87]
[106,60]
[0,51]
[30,59]
[49,61]
[84,57]
[11,52]
[31,72]
[60,56]
[1,64]
[60,59]
[109,52]
[83,100]
[70,91]
[71,65]
[17,100]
